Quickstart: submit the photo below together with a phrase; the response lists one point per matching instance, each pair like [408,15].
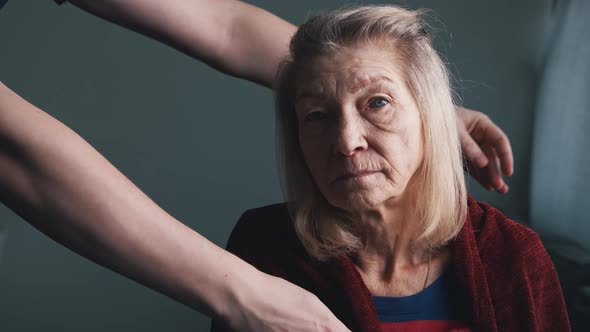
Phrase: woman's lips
[355,175]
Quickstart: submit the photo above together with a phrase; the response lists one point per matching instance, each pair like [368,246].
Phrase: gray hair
[441,202]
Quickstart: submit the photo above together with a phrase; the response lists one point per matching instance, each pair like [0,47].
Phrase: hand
[264,303]
[486,149]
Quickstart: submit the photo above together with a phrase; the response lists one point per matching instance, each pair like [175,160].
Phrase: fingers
[296,309]
[494,180]
[485,166]
[492,168]
[471,150]
[486,149]
[497,180]
[504,189]
[494,137]
[504,151]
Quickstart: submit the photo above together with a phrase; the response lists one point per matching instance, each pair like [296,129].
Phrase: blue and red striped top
[439,307]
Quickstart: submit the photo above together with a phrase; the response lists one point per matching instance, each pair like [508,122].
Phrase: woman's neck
[389,239]
[390,260]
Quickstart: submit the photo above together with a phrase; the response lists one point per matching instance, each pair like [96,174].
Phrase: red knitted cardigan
[509,280]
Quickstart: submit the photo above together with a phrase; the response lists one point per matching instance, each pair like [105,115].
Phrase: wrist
[232,285]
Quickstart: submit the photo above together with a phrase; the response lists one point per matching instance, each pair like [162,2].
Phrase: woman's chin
[360,200]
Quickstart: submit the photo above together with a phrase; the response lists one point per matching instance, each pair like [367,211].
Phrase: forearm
[57,182]
[234,37]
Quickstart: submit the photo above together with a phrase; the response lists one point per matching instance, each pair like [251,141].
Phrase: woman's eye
[378,102]
[315,116]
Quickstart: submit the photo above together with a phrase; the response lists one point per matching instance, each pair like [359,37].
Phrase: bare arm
[57,182]
[248,42]
[232,36]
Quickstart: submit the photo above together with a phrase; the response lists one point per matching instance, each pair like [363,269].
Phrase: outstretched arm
[57,182]
[232,36]
[248,42]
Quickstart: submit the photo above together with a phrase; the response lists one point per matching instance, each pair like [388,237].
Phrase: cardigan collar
[468,267]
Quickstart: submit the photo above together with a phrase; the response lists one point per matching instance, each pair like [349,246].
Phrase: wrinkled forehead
[348,71]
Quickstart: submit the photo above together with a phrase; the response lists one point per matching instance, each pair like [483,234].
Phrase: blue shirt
[439,307]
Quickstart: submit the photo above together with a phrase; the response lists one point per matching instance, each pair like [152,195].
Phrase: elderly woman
[378,223]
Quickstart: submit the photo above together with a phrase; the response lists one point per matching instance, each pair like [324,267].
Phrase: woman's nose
[350,136]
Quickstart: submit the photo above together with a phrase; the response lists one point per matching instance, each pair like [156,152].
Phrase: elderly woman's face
[359,127]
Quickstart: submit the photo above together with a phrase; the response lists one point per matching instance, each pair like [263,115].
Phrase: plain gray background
[201,144]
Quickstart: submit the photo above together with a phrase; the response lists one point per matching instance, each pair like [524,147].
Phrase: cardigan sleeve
[550,309]
[523,286]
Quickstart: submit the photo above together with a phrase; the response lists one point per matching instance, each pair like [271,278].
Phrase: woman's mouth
[355,175]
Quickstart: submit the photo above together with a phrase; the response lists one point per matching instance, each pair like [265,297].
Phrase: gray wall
[201,144]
